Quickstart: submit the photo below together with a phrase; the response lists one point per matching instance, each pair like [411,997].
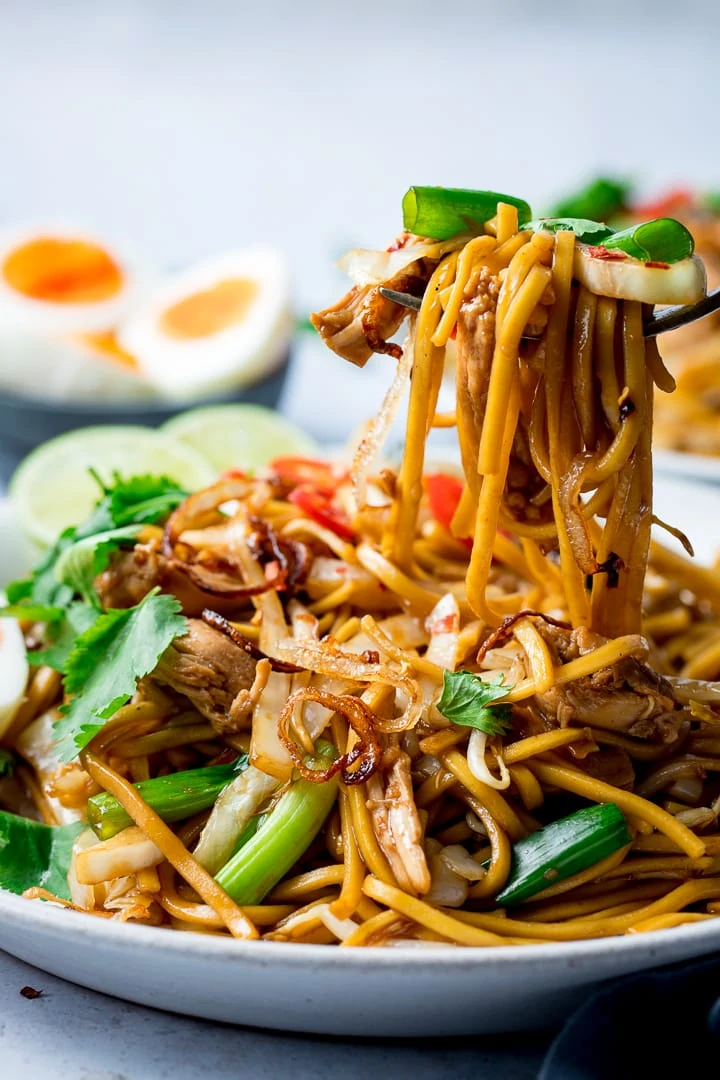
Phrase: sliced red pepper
[302,470]
[444,494]
[318,506]
[675,199]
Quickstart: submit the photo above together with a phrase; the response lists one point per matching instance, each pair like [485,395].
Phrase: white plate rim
[50,918]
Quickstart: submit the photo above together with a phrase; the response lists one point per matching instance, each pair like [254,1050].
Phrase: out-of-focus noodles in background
[180,129]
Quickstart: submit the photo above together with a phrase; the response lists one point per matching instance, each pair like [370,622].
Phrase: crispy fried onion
[500,636]
[286,562]
[326,658]
[211,565]
[367,751]
[212,618]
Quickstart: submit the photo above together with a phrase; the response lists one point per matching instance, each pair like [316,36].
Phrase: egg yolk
[62,271]
[106,345]
[211,311]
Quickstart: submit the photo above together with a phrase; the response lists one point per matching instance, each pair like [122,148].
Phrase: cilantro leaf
[35,854]
[140,500]
[108,659]
[77,618]
[589,232]
[466,698]
[80,564]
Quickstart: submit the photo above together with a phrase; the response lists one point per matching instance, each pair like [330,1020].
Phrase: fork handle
[671,318]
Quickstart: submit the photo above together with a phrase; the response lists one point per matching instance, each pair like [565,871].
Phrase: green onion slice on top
[441,213]
[662,240]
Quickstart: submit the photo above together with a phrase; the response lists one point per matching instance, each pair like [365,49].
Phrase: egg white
[14,671]
[228,359]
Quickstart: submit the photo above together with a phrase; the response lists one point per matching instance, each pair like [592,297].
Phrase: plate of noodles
[398,750]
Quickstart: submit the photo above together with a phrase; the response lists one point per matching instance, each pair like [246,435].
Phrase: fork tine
[402,298]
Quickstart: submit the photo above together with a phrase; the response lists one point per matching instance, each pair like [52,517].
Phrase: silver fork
[667,318]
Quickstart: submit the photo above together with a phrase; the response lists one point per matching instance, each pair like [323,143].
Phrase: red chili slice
[318,506]
[664,206]
[444,494]
[322,475]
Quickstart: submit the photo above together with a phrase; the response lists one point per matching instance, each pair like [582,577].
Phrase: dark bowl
[25,422]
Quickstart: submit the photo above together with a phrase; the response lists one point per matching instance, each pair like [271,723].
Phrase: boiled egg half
[62,293]
[217,327]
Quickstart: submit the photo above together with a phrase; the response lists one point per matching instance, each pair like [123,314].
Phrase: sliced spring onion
[588,232]
[563,848]
[173,798]
[662,240]
[440,213]
[283,836]
[600,200]
[629,279]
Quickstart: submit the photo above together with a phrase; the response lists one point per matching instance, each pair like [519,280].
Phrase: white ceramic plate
[693,466]
[404,992]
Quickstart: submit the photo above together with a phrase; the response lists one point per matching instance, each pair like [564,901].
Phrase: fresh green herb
[108,659]
[77,618]
[140,500]
[79,564]
[285,833]
[467,699]
[588,232]
[601,200]
[173,798]
[35,854]
[711,201]
[441,213]
[33,612]
[661,240]
[563,848]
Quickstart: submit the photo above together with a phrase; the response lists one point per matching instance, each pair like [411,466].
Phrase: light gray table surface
[74,1034]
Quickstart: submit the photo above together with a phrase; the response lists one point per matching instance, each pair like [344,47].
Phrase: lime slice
[52,488]
[239,436]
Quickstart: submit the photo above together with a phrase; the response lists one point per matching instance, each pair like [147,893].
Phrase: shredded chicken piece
[239,717]
[132,574]
[397,824]
[628,696]
[610,764]
[210,669]
[362,321]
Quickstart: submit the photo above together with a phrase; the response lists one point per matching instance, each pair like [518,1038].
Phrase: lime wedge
[239,436]
[52,488]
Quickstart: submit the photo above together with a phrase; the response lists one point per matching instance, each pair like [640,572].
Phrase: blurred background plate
[692,466]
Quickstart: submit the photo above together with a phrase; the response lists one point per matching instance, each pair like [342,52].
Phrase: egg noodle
[347,596]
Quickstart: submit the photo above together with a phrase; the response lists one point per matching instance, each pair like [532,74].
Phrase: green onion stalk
[563,848]
[283,835]
[173,798]
[441,213]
